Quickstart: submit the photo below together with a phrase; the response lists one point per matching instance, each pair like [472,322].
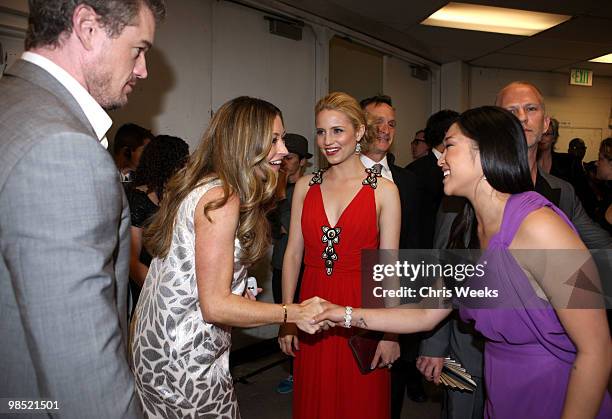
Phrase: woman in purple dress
[541,360]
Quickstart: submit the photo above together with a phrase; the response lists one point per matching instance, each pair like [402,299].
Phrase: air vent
[421,73]
[291,30]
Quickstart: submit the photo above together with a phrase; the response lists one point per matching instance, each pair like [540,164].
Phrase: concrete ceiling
[569,45]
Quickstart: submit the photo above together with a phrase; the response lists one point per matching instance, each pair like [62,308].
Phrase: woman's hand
[287,338]
[249,295]
[333,314]
[386,354]
[308,310]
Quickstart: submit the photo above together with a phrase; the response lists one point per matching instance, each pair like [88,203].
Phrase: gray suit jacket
[456,338]
[64,240]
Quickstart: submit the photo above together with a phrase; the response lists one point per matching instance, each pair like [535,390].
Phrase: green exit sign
[581,77]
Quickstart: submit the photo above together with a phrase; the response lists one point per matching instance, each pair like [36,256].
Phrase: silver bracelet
[348,316]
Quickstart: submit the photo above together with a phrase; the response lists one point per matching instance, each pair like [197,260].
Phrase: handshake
[316,314]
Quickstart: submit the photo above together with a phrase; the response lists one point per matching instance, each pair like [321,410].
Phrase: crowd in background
[423,204]
[163,240]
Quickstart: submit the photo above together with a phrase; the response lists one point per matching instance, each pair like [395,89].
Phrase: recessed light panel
[493,19]
[607,59]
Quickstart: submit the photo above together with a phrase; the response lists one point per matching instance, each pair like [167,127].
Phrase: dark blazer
[568,168]
[65,248]
[562,166]
[407,185]
[431,190]
[563,195]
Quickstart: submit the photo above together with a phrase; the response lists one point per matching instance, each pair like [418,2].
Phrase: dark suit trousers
[404,375]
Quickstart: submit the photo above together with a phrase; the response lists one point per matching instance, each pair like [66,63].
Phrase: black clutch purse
[364,347]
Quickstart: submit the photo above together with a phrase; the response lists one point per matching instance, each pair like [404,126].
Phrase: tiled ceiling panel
[586,35]
[392,11]
[546,47]
[454,44]
[582,29]
[520,62]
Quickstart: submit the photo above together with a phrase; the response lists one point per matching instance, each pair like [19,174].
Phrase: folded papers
[453,375]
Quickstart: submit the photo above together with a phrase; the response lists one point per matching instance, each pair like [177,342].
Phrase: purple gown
[528,354]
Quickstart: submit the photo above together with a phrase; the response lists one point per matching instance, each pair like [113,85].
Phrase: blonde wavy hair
[348,105]
[234,149]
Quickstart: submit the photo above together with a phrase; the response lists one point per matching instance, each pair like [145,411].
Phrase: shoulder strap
[317,177]
[517,208]
[206,186]
[372,175]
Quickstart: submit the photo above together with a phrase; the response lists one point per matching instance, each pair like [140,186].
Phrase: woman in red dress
[335,214]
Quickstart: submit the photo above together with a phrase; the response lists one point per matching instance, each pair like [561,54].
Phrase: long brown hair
[234,150]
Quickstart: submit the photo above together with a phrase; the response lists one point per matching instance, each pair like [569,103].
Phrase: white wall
[363,72]
[581,111]
[248,60]
[207,52]
[175,99]
[455,78]
[13,25]
[412,102]
[355,69]
[13,48]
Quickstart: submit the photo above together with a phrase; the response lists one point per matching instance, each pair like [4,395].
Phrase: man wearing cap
[292,168]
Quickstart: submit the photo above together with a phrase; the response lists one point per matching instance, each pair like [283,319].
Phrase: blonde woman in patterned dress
[210,227]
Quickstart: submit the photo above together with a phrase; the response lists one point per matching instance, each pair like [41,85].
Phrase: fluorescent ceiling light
[607,59]
[493,19]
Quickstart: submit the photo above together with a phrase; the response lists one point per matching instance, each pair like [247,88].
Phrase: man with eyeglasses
[429,175]
[565,166]
[550,161]
[419,146]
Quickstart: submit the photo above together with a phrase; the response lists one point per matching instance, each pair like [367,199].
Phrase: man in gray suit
[64,221]
[456,338]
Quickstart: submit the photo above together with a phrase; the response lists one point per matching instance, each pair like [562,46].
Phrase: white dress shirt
[385,172]
[436,153]
[98,118]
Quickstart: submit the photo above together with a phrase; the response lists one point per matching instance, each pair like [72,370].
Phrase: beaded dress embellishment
[317,177]
[373,175]
[331,236]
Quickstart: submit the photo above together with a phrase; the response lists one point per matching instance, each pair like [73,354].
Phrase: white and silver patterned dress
[181,363]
